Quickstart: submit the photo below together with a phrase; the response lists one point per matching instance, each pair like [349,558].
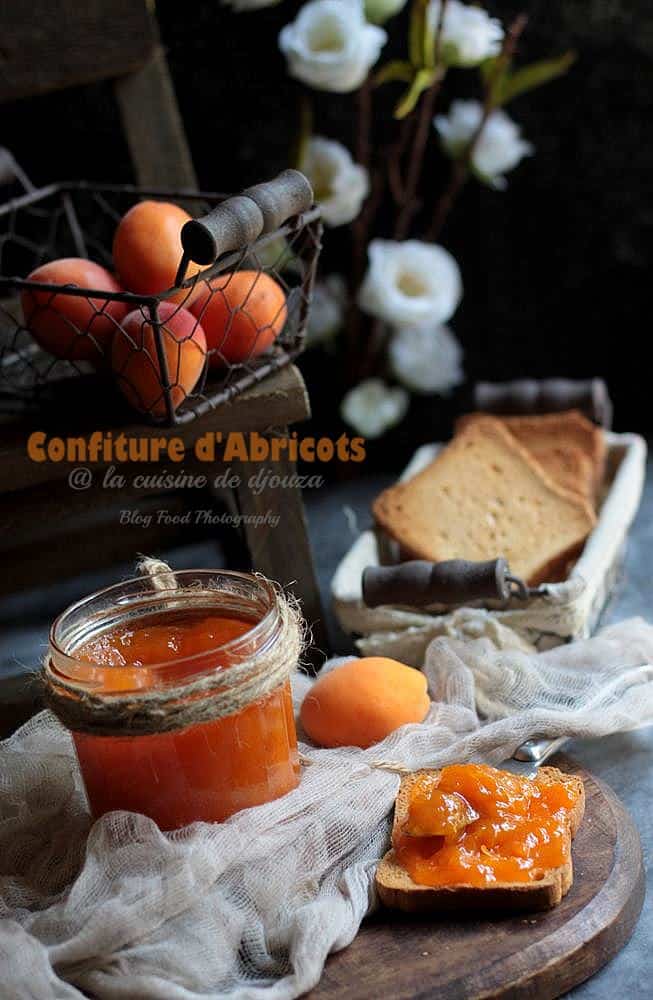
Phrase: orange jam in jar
[134,638]
[474,825]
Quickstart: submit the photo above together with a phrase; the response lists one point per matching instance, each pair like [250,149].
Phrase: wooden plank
[55,531]
[49,516]
[93,545]
[50,45]
[278,400]
[153,126]
[279,546]
[532,957]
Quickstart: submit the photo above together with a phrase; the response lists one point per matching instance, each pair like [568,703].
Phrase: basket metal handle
[526,396]
[453,581]
[237,222]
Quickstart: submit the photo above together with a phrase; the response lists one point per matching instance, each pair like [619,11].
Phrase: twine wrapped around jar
[214,695]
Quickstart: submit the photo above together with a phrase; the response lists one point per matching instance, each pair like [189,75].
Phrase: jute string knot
[213,695]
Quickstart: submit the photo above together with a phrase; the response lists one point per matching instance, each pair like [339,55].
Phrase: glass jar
[136,637]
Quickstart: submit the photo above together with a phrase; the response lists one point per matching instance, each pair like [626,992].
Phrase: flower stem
[394,154]
[376,341]
[461,166]
[410,204]
[457,181]
[361,227]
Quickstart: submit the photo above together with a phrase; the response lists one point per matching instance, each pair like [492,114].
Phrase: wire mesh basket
[236,310]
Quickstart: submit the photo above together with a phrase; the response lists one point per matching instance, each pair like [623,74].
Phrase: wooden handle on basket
[238,221]
[551,395]
[420,583]
[288,194]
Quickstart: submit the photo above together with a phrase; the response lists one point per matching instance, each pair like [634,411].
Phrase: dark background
[556,269]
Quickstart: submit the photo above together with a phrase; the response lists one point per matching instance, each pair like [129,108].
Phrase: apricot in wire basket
[242,314]
[147,249]
[362,701]
[77,328]
[135,361]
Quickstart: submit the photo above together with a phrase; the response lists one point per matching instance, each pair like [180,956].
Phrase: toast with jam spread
[483,887]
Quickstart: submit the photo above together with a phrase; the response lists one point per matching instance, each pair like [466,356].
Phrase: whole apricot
[242,314]
[73,327]
[147,249]
[135,361]
[363,701]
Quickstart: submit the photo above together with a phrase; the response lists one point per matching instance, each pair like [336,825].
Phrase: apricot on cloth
[362,701]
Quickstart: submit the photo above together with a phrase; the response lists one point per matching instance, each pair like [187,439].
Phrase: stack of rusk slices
[525,488]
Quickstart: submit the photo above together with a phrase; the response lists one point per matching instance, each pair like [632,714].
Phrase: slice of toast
[555,440]
[482,497]
[568,466]
[397,890]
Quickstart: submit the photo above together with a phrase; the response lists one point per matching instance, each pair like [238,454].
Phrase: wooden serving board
[538,957]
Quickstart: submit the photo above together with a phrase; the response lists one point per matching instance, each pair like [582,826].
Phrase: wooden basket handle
[239,221]
[453,581]
[549,395]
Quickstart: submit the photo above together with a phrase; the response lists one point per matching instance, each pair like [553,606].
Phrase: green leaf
[530,77]
[397,70]
[423,79]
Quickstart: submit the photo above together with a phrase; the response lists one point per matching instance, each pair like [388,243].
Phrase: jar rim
[258,630]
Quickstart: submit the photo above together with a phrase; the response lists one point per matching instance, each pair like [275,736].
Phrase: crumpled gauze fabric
[252,907]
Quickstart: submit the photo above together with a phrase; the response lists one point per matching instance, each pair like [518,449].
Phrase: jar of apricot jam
[141,636]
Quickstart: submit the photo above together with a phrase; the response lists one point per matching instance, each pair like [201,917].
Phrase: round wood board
[539,956]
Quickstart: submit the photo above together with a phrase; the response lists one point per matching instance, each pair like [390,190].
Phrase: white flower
[372,407]
[379,11]
[500,146]
[469,34]
[340,185]
[327,310]
[330,46]
[410,282]
[240,5]
[426,358]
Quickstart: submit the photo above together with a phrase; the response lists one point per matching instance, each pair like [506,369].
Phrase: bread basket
[558,613]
